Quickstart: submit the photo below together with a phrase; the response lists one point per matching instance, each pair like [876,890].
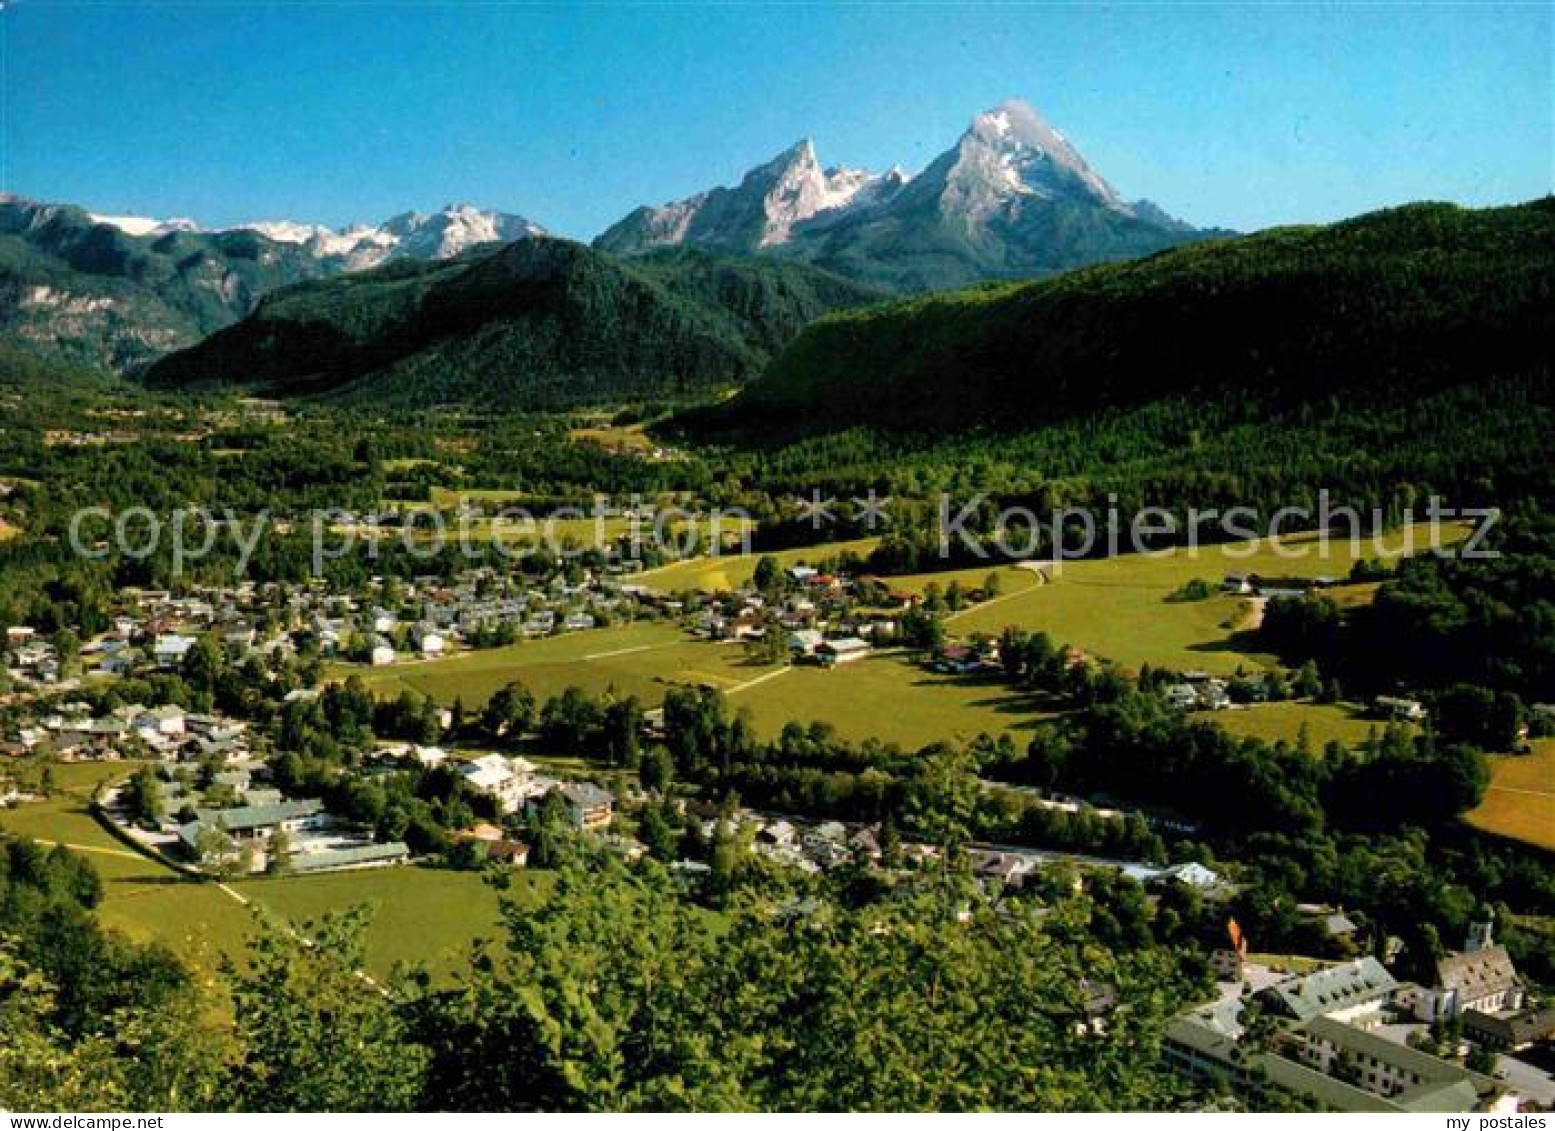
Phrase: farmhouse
[1484,980]
[510,782]
[844,650]
[169,720]
[1414,1080]
[169,650]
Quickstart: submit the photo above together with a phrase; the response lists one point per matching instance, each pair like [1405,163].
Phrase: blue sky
[1241,116]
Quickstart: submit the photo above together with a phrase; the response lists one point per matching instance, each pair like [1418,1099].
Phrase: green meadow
[1121,609]
[418,914]
[890,697]
[730,571]
[1348,723]
[642,658]
[1520,802]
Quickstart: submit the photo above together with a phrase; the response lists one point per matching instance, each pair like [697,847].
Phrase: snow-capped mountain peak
[795,188]
[1012,149]
[421,235]
[146,225]
[771,202]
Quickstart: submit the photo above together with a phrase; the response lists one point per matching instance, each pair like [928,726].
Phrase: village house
[165,721]
[588,806]
[169,649]
[844,650]
[494,844]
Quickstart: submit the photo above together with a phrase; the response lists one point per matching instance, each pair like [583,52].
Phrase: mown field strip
[750,683]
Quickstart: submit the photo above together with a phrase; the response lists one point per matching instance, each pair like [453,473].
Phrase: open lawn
[1325,722]
[730,571]
[1120,608]
[889,697]
[419,914]
[144,899]
[642,658]
[886,696]
[1520,802]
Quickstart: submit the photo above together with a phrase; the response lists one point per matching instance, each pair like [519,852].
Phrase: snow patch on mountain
[421,235]
[145,225]
[1011,151]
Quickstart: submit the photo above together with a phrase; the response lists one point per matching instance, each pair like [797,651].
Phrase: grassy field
[885,696]
[891,698]
[1520,803]
[729,572]
[419,914]
[1325,722]
[642,658]
[1116,609]
[1119,608]
[144,899]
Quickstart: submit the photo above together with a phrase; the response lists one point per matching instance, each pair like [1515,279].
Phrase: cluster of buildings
[71,733]
[426,617]
[1349,1036]
[483,605]
[1198,691]
[315,840]
[820,616]
[29,660]
[516,785]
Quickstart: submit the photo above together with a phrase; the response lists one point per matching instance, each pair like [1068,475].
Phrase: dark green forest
[1371,310]
[537,323]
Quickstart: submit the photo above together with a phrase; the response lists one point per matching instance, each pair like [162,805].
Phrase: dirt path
[629,651]
[760,679]
[970,609]
[121,852]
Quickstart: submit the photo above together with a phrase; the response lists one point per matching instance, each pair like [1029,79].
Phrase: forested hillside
[85,292]
[1374,309]
[541,323]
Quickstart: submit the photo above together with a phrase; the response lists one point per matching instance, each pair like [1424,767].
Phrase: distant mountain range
[119,291]
[1011,199]
[410,235]
[1389,305]
[539,323]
